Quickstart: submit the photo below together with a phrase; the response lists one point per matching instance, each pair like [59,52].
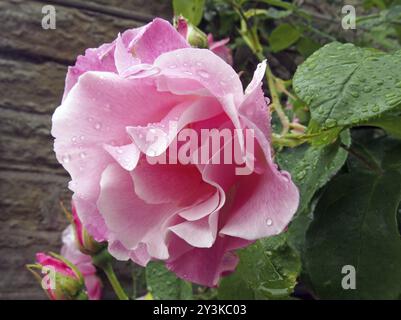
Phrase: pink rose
[192,216]
[83,262]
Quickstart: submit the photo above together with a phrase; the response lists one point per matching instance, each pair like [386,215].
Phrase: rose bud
[60,279]
[195,37]
[85,242]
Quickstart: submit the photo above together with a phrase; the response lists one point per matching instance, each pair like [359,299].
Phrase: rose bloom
[191,216]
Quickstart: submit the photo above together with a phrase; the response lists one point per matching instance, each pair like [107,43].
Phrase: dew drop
[269,222]
[66,158]
[98,125]
[355,94]
[331,123]
[82,155]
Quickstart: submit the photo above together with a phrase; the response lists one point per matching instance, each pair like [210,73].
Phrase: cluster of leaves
[340,140]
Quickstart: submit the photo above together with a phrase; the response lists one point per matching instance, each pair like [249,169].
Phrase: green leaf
[234,287]
[312,167]
[307,46]
[383,151]
[164,285]
[392,125]
[269,268]
[283,36]
[355,224]
[344,85]
[190,9]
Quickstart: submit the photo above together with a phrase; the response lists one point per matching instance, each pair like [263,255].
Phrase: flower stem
[103,261]
[276,104]
[111,276]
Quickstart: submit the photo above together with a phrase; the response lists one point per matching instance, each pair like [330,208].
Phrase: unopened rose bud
[195,37]
[60,279]
[85,242]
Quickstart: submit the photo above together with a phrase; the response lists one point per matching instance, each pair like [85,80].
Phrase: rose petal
[204,266]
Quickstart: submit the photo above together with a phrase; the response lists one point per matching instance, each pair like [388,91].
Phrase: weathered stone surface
[31,87]
[33,63]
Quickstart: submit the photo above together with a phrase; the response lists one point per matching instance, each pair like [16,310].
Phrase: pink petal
[204,266]
[95,59]
[139,255]
[156,38]
[127,156]
[58,265]
[205,67]
[202,209]
[169,183]
[123,58]
[263,206]
[154,139]
[220,48]
[93,287]
[200,233]
[131,220]
[96,112]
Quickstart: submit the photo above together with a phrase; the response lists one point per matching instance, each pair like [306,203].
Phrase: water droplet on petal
[66,158]
[269,222]
[82,155]
[98,125]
